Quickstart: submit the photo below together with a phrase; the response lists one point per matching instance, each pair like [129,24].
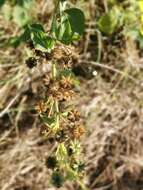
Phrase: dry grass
[111,105]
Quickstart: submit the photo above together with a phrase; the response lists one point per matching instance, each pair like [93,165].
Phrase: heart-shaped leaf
[76,19]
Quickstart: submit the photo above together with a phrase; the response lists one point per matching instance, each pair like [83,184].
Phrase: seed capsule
[51,162]
[57,179]
[30,44]
[41,107]
[81,167]
[61,136]
[78,131]
[70,151]
[31,62]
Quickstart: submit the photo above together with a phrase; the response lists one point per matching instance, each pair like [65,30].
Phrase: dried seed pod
[81,167]
[44,130]
[41,107]
[74,115]
[39,53]
[31,62]
[51,162]
[78,131]
[48,56]
[57,179]
[61,136]
[66,82]
[67,95]
[30,44]
[70,151]
[78,166]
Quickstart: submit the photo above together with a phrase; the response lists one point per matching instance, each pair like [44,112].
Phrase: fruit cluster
[62,125]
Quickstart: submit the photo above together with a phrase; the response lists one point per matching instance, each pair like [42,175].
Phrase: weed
[61,122]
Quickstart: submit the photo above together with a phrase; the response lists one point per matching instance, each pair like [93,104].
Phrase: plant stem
[82,185]
[54,71]
[57,117]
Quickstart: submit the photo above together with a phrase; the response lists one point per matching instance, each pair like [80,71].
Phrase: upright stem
[56,103]
[57,117]
[54,71]
[57,106]
[83,187]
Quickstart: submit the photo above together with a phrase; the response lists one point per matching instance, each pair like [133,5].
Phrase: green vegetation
[60,121]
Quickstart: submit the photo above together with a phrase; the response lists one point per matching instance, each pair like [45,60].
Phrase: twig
[9,105]
[99,37]
[109,68]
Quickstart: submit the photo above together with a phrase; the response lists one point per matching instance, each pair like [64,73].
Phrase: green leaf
[54,28]
[61,152]
[24,3]
[26,35]
[67,73]
[40,40]
[47,120]
[108,22]
[20,16]
[36,33]
[71,174]
[62,31]
[76,19]
[2,2]
[14,41]
[136,35]
[70,27]
[36,28]
[65,33]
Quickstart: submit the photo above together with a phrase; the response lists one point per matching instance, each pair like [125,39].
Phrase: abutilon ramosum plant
[61,122]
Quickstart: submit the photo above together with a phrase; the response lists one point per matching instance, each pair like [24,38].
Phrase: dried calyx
[62,123]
